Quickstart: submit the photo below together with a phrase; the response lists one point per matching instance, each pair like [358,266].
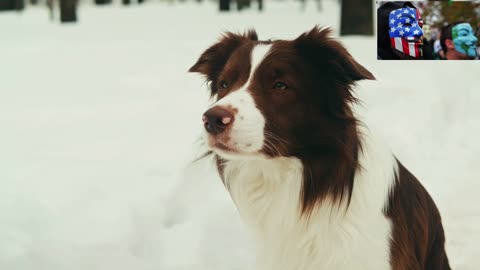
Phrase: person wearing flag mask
[459,42]
[400,34]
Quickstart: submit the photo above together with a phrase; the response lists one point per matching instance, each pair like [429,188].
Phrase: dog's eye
[223,84]
[280,85]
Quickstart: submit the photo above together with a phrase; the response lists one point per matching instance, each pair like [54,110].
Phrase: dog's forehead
[258,54]
[244,61]
[250,52]
[276,53]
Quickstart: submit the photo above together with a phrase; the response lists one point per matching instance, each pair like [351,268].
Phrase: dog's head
[278,98]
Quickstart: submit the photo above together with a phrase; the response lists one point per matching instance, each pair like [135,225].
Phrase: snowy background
[98,128]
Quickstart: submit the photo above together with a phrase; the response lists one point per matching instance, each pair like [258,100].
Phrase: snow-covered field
[98,128]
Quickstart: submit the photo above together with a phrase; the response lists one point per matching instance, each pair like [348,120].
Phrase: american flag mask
[406,31]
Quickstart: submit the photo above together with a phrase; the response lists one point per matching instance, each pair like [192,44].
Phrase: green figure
[464,40]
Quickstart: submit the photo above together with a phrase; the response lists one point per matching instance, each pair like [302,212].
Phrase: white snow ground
[98,122]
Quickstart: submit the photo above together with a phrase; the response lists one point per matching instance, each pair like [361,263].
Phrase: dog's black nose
[216,119]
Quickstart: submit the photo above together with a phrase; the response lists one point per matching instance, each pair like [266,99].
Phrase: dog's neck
[269,196]
[320,171]
[260,187]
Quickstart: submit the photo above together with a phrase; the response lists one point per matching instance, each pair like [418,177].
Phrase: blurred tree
[68,11]
[459,11]
[19,4]
[12,5]
[128,2]
[441,13]
[103,2]
[432,13]
[50,9]
[241,4]
[356,17]
[224,5]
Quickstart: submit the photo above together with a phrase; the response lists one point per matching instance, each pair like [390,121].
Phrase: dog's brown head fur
[303,89]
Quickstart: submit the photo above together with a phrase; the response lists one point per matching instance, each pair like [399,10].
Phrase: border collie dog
[311,182]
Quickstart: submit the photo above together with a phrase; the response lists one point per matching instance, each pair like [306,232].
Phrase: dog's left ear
[214,58]
[329,56]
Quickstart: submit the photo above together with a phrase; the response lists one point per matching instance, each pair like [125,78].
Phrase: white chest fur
[267,195]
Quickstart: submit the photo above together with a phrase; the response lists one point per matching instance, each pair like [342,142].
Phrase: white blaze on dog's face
[244,133]
[278,98]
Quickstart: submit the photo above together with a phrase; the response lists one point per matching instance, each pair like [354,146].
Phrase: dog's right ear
[212,61]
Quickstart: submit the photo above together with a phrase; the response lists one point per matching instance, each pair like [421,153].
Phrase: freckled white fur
[267,195]
[246,133]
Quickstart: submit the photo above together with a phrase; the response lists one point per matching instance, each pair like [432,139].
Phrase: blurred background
[99,125]
[357,16]
[436,13]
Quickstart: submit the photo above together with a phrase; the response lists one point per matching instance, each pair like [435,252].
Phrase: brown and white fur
[312,183]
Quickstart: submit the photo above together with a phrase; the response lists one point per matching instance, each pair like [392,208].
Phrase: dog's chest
[267,195]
